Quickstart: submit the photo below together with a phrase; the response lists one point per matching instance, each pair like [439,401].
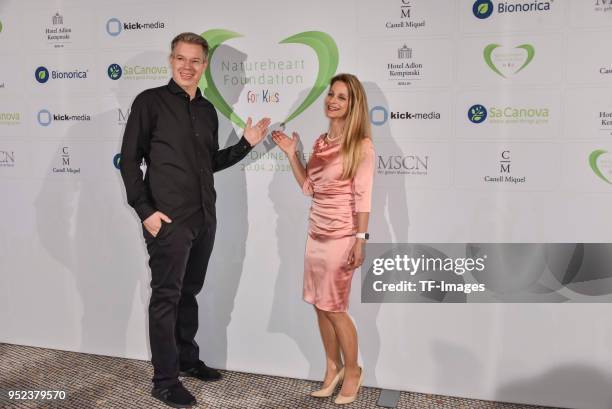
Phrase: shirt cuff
[243,144]
[144,210]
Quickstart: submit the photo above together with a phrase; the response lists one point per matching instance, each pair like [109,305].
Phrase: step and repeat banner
[490,267]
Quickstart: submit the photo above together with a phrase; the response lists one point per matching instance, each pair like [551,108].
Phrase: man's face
[188,64]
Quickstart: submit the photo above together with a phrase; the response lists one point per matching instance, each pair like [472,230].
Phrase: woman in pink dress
[339,178]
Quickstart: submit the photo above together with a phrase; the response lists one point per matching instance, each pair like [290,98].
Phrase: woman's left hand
[356,254]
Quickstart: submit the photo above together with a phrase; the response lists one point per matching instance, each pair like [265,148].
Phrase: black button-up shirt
[178,138]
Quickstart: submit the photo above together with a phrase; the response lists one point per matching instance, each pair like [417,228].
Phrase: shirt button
[197,134]
[193,117]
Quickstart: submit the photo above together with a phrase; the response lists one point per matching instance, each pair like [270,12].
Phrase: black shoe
[176,396]
[202,372]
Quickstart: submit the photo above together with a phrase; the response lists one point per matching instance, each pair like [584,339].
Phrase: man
[175,130]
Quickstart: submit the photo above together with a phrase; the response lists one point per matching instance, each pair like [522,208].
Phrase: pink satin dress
[333,222]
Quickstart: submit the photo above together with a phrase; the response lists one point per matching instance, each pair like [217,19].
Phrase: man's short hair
[190,38]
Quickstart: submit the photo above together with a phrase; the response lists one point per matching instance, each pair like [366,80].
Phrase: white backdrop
[73,262]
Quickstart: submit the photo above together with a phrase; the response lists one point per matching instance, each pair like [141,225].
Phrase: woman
[339,178]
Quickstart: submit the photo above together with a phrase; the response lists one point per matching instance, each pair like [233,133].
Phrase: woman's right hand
[287,144]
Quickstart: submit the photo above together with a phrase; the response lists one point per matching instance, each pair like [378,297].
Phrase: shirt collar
[177,90]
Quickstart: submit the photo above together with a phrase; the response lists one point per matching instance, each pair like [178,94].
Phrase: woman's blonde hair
[357,125]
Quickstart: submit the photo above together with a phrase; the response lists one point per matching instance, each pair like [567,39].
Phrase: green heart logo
[488,51]
[323,45]
[593,158]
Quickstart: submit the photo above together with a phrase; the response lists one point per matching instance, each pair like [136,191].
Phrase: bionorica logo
[482,9]
[113,27]
[114,71]
[477,113]
[379,115]
[44,117]
[41,74]
[117,160]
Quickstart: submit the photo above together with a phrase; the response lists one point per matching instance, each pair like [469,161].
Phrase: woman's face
[337,101]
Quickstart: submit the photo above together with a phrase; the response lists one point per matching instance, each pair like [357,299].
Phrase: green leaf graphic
[323,45]
[593,157]
[487,57]
[42,75]
[488,51]
[483,8]
[327,53]
[215,38]
[530,54]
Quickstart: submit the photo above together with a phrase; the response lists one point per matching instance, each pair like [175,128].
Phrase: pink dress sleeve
[364,178]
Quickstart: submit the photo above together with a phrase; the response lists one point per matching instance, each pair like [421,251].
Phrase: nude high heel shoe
[329,390]
[344,400]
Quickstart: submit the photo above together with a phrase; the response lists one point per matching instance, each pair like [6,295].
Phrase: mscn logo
[482,8]
[379,115]
[114,71]
[114,27]
[41,74]
[44,117]
[7,159]
[601,164]
[477,113]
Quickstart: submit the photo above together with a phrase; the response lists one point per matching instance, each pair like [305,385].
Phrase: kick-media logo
[42,74]
[46,118]
[379,115]
[483,9]
[114,26]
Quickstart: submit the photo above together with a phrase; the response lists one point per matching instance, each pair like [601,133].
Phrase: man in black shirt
[176,131]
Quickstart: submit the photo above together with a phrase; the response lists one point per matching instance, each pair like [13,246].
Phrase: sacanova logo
[141,72]
[509,115]
[477,113]
[114,71]
[42,74]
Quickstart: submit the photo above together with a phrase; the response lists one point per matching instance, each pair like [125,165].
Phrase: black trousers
[178,258]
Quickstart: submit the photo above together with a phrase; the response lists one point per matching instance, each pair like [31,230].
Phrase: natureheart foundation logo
[323,45]
[507,62]
[601,163]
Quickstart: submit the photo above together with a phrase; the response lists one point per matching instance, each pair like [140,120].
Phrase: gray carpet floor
[93,381]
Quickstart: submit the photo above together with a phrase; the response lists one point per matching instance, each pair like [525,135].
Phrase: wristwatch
[364,236]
